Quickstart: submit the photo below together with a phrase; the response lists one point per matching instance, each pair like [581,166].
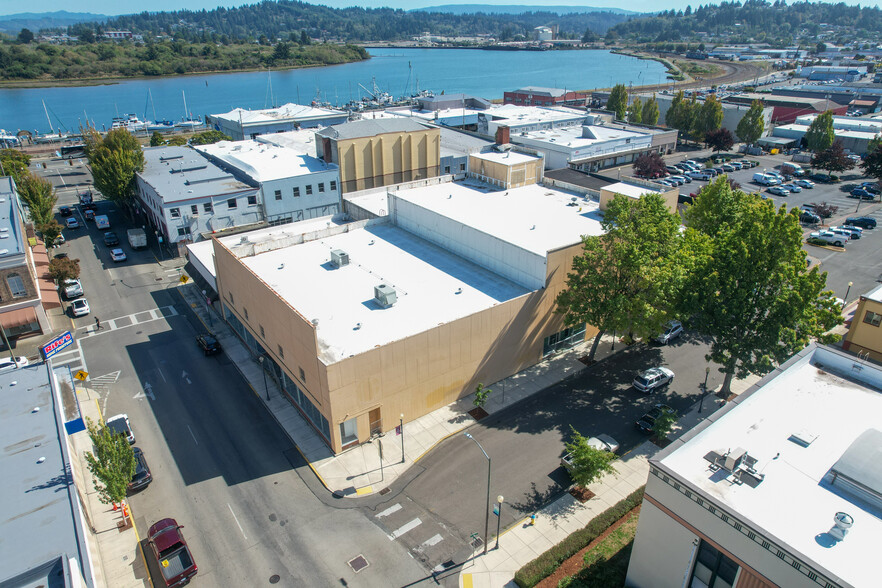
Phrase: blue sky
[130,6]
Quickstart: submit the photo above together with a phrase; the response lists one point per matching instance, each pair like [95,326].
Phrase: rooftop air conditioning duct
[733,459]
[385,295]
[339,257]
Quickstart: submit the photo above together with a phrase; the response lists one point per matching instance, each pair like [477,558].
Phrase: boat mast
[49,120]
[186,112]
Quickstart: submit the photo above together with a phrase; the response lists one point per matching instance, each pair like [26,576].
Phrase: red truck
[171,553]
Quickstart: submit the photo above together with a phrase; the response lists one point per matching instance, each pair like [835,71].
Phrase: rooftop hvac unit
[733,459]
[339,257]
[385,295]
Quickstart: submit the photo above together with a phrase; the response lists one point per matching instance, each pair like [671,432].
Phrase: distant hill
[516,9]
[13,23]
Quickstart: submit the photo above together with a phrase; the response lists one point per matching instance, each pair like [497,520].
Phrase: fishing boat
[130,122]
[8,139]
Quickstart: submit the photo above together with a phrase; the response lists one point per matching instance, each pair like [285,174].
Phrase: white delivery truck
[137,238]
[102,222]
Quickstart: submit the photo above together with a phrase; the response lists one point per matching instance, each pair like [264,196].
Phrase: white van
[765,179]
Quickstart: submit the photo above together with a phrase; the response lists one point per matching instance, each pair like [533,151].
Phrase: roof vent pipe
[842,523]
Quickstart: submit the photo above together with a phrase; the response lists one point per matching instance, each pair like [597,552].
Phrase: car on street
[792,187]
[142,477]
[652,379]
[7,364]
[602,442]
[808,184]
[778,191]
[117,254]
[89,214]
[80,307]
[808,217]
[110,239]
[171,553]
[208,343]
[65,211]
[646,423]
[829,238]
[864,222]
[672,330]
[862,193]
[72,289]
[72,223]
[120,425]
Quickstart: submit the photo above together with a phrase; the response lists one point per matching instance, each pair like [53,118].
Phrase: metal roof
[370,128]
[182,173]
[862,462]
[11,239]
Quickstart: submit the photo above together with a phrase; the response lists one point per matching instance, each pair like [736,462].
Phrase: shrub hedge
[545,565]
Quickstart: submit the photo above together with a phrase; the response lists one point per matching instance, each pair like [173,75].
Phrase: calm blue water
[480,73]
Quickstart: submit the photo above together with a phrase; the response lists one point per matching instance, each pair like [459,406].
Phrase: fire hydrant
[533,519]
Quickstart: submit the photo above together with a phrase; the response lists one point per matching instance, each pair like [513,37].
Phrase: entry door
[376,422]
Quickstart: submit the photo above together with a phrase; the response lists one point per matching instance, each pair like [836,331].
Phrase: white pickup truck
[829,238]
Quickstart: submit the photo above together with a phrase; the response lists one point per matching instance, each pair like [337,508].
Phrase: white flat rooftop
[301,140]
[424,276]
[875,294]
[264,161]
[507,158]
[285,112]
[534,217]
[792,503]
[631,190]
[375,200]
[514,114]
[572,136]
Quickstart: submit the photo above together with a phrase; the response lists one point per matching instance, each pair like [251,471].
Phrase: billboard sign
[56,345]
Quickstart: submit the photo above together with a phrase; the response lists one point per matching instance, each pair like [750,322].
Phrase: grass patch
[545,565]
[698,69]
[607,564]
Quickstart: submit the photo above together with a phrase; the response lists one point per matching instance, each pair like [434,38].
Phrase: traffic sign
[185,279]
[81,375]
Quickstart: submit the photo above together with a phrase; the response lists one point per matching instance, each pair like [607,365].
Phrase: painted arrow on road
[148,391]
[186,377]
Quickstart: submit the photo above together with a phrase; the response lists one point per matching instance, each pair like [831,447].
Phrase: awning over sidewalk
[18,318]
[48,291]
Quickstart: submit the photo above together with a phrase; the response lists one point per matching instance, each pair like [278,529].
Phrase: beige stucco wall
[670,198]
[863,337]
[412,376]
[504,175]
[390,158]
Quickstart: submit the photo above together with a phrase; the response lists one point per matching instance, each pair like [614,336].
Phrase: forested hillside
[756,20]
[276,20]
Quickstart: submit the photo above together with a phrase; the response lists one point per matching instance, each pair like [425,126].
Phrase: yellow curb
[364,490]
[100,416]
[467,581]
[435,444]
[830,247]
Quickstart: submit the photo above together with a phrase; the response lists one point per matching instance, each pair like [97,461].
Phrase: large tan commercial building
[507,169]
[404,314]
[781,487]
[864,335]
[382,152]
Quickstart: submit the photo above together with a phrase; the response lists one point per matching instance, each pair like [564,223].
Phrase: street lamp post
[262,369]
[850,284]
[487,511]
[401,424]
[703,389]
[499,499]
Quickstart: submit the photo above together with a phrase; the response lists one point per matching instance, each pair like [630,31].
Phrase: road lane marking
[237,520]
[408,527]
[388,511]
[196,442]
[429,543]
[110,325]
[148,391]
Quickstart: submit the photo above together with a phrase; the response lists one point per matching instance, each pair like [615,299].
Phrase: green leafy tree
[114,160]
[635,111]
[872,163]
[650,111]
[39,196]
[589,463]
[749,289]
[664,423]
[833,159]
[14,163]
[719,140]
[626,279]
[62,269]
[820,47]
[112,462]
[819,136]
[751,126]
[177,141]
[25,36]
[618,101]
[208,138]
[50,231]
[679,114]
[708,117]
[282,51]
[156,139]
[304,38]
[482,395]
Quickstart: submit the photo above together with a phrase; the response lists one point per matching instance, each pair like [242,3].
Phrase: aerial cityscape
[465,295]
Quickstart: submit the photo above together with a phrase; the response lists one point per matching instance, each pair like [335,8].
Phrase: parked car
[778,191]
[672,330]
[685,177]
[603,442]
[7,364]
[60,240]
[728,167]
[72,289]
[672,170]
[854,232]
[862,193]
[829,238]
[646,423]
[871,187]
[142,477]
[865,222]
[89,214]
[750,163]
[110,239]
[820,178]
[653,378]
[171,553]
[120,425]
[72,223]
[65,211]
[737,165]
[805,184]
[792,188]
[674,181]
[117,254]
[208,343]
[80,307]
[685,199]
[700,175]
[840,232]
[808,217]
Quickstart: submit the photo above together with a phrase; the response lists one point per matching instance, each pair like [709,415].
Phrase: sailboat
[188,122]
[52,136]
[157,125]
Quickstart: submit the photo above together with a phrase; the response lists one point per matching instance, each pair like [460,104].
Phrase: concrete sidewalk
[524,542]
[356,471]
[115,550]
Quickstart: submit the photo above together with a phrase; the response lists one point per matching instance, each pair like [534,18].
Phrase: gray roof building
[370,128]
[42,540]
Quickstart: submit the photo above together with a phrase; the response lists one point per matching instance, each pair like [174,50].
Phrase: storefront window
[569,337]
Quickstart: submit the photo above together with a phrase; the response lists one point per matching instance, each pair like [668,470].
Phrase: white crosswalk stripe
[138,318]
[402,530]
[392,509]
